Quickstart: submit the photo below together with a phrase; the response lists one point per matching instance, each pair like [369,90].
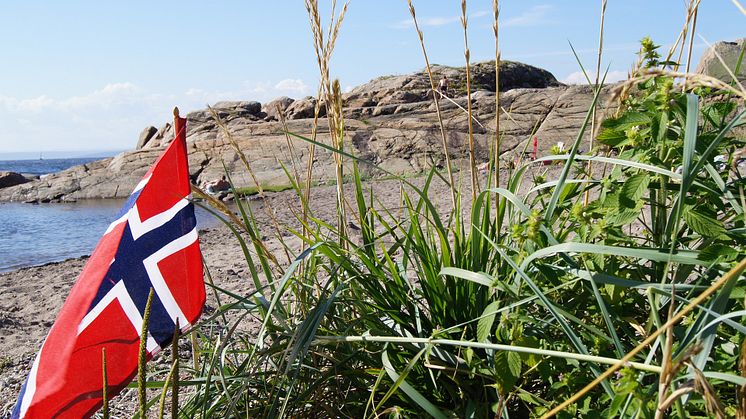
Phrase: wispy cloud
[435,21]
[112,117]
[578,77]
[534,16]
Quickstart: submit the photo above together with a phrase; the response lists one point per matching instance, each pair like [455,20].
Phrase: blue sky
[90,75]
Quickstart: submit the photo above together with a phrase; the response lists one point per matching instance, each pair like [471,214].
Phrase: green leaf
[508,369]
[484,326]
[612,137]
[623,216]
[719,251]
[705,225]
[478,277]
[633,190]
[627,120]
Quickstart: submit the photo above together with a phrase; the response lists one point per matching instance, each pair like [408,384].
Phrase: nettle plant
[650,128]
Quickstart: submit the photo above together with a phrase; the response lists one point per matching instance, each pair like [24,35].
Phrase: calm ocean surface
[42,167]
[34,234]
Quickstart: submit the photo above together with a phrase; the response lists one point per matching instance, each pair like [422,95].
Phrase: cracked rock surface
[390,121]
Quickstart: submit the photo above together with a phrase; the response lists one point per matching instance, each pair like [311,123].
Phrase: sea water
[39,167]
[34,234]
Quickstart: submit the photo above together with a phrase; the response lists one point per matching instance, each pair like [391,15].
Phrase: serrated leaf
[612,137]
[703,224]
[484,326]
[530,398]
[530,359]
[718,251]
[627,120]
[623,216]
[508,369]
[633,190]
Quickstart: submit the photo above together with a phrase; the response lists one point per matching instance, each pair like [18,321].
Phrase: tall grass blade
[105,386]
[142,359]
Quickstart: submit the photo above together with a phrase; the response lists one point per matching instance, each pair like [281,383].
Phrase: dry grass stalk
[105,386]
[665,378]
[728,70]
[695,80]
[291,148]
[437,104]
[694,9]
[267,208]
[698,384]
[324,46]
[467,55]
[738,5]
[306,201]
[496,30]
[220,206]
[228,135]
[681,39]
[696,302]
[703,387]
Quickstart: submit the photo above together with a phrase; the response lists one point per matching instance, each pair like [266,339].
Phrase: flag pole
[176,119]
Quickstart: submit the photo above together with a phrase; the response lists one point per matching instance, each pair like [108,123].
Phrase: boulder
[146,135]
[11,179]
[304,108]
[273,108]
[240,108]
[729,52]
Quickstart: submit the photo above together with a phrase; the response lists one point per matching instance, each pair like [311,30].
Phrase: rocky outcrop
[145,136]
[390,122]
[274,108]
[8,179]
[720,53]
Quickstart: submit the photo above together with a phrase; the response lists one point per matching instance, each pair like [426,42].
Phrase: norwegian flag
[152,244]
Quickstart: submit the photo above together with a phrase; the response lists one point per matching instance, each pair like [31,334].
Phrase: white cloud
[296,86]
[532,17]
[113,116]
[578,77]
[435,21]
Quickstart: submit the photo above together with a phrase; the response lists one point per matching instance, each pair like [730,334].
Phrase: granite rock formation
[390,122]
[720,53]
[8,179]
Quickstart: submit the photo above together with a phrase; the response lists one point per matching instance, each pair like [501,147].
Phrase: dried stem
[472,151]
[691,44]
[324,46]
[437,104]
[105,386]
[495,28]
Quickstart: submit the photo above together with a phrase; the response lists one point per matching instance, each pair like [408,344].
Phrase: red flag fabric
[153,243]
